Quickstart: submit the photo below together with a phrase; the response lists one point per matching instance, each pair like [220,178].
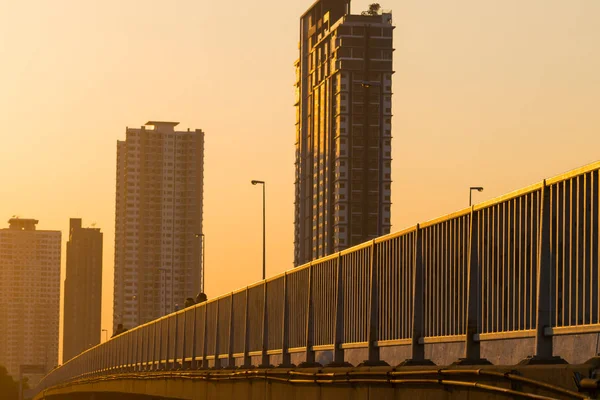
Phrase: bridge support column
[543,344]
[417,348]
[472,347]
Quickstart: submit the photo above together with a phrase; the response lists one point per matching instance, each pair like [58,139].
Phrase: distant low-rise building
[83,290]
[29,295]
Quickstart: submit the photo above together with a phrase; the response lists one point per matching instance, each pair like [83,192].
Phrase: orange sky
[497,94]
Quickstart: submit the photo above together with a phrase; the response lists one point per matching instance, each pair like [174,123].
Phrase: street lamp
[136,298]
[202,269]
[264,235]
[478,188]
[165,286]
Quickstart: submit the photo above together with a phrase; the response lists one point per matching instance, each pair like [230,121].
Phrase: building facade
[29,295]
[83,290]
[343,129]
[158,248]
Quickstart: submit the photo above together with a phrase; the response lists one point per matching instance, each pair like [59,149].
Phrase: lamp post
[264,275]
[478,188]
[202,269]
[165,287]
[136,298]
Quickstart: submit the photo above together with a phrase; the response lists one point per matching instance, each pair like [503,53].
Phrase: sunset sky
[490,93]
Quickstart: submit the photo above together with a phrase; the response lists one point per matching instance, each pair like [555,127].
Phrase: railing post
[117,354]
[543,343]
[338,330]
[168,350]
[121,353]
[247,362]
[285,340]
[418,307]
[114,353]
[150,349]
[230,358]
[108,357]
[92,362]
[217,359]
[129,351]
[102,357]
[144,333]
[310,353]
[173,343]
[373,316]
[132,350]
[140,357]
[123,358]
[182,364]
[194,363]
[204,341]
[264,363]
[472,348]
[157,346]
[144,343]
[138,343]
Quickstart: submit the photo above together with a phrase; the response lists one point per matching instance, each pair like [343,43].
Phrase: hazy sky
[493,93]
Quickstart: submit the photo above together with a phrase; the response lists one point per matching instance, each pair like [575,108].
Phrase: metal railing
[522,265]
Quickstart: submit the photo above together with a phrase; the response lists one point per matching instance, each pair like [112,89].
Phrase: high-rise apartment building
[29,295]
[343,128]
[158,221]
[83,290]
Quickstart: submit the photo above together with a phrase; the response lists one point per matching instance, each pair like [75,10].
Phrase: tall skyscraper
[158,221]
[29,296]
[343,128]
[83,290]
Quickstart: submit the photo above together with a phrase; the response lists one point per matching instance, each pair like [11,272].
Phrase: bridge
[495,301]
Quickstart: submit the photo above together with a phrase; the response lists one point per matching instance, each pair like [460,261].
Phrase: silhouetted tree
[189,302]
[9,388]
[373,9]
[201,298]
[120,329]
